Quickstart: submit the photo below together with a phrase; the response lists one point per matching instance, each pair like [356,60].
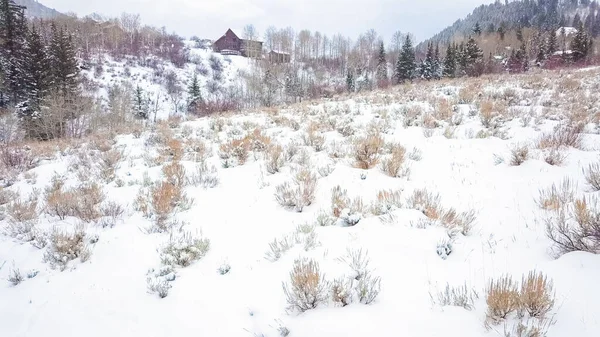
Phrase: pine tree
[141,106]
[437,66]
[552,44]
[577,21]
[449,62]
[461,60]
[406,66]
[477,29]
[579,45]
[427,66]
[382,70]
[63,62]
[36,72]
[501,32]
[194,94]
[350,81]
[474,58]
[524,58]
[13,32]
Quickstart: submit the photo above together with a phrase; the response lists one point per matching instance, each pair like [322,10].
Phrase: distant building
[231,44]
[276,56]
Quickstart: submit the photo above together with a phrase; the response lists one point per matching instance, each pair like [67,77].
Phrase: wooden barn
[231,44]
[279,57]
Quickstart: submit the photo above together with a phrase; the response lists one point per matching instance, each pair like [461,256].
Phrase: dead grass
[563,136]
[426,202]
[307,288]
[537,294]
[487,113]
[366,151]
[274,159]
[165,198]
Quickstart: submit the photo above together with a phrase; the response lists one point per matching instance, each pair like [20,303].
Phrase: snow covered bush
[274,158]
[341,292]
[108,164]
[307,288]
[65,246]
[592,176]
[15,277]
[204,176]
[392,166]
[82,202]
[563,135]
[576,227]
[184,249]
[165,198]
[554,157]
[298,193]
[555,198]
[444,249]
[314,138]
[278,247]
[536,294]
[20,210]
[23,231]
[174,174]
[460,296]
[387,201]
[368,288]
[502,299]
[519,154]
[366,151]
[158,286]
[234,152]
[426,202]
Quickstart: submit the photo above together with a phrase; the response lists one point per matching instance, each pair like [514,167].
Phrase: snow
[107,295]
[568,31]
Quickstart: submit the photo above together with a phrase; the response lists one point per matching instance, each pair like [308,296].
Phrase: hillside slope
[36,9]
[446,196]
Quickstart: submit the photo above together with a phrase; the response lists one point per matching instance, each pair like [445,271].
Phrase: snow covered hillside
[388,213]
[164,85]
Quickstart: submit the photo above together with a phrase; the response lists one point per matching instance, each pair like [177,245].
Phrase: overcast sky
[211,18]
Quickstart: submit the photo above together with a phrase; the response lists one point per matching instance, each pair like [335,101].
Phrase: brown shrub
[557,197]
[175,174]
[164,198]
[562,136]
[274,158]
[314,138]
[536,296]
[20,210]
[197,150]
[461,221]
[234,149]
[575,228]
[339,201]
[367,151]
[66,246]
[519,154]
[487,113]
[502,299]
[258,141]
[392,165]
[307,287]
[426,202]
[81,202]
[298,193]
[109,162]
[174,149]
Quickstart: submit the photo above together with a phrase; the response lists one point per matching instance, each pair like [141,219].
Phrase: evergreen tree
[577,21]
[473,56]
[461,60]
[141,106]
[382,70]
[579,45]
[524,58]
[13,32]
[540,57]
[501,32]
[552,44]
[63,62]
[36,72]
[519,34]
[427,66]
[437,66]
[194,94]
[406,66]
[449,62]
[477,29]
[350,86]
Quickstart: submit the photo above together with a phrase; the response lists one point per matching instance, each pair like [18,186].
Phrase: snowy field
[477,144]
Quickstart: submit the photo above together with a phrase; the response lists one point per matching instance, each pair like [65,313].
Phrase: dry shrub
[274,159]
[314,138]
[575,227]
[15,277]
[258,141]
[6,196]
[426,202]
[204,176]
[460,221]
[502,299]
[519,154]
[20,210]
[15,158]
[569,84]
[183,249]
[174,149]
[339,201]
[562,136]
[461,296]
[341,292]
[81,202]
[65,246]
[592,176]
[367,150]
[443,110]
[197,150]
[487,113]
[307,288]
[466,94]
[536,296]
[556,198]
[392,166]
[235,149]
[554,157]
[298,193]
[108,164]
[387,201]
[165,197]
[175,174]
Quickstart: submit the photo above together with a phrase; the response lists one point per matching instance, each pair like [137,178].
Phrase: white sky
[211,18]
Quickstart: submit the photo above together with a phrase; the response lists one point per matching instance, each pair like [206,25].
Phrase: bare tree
[131,24]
